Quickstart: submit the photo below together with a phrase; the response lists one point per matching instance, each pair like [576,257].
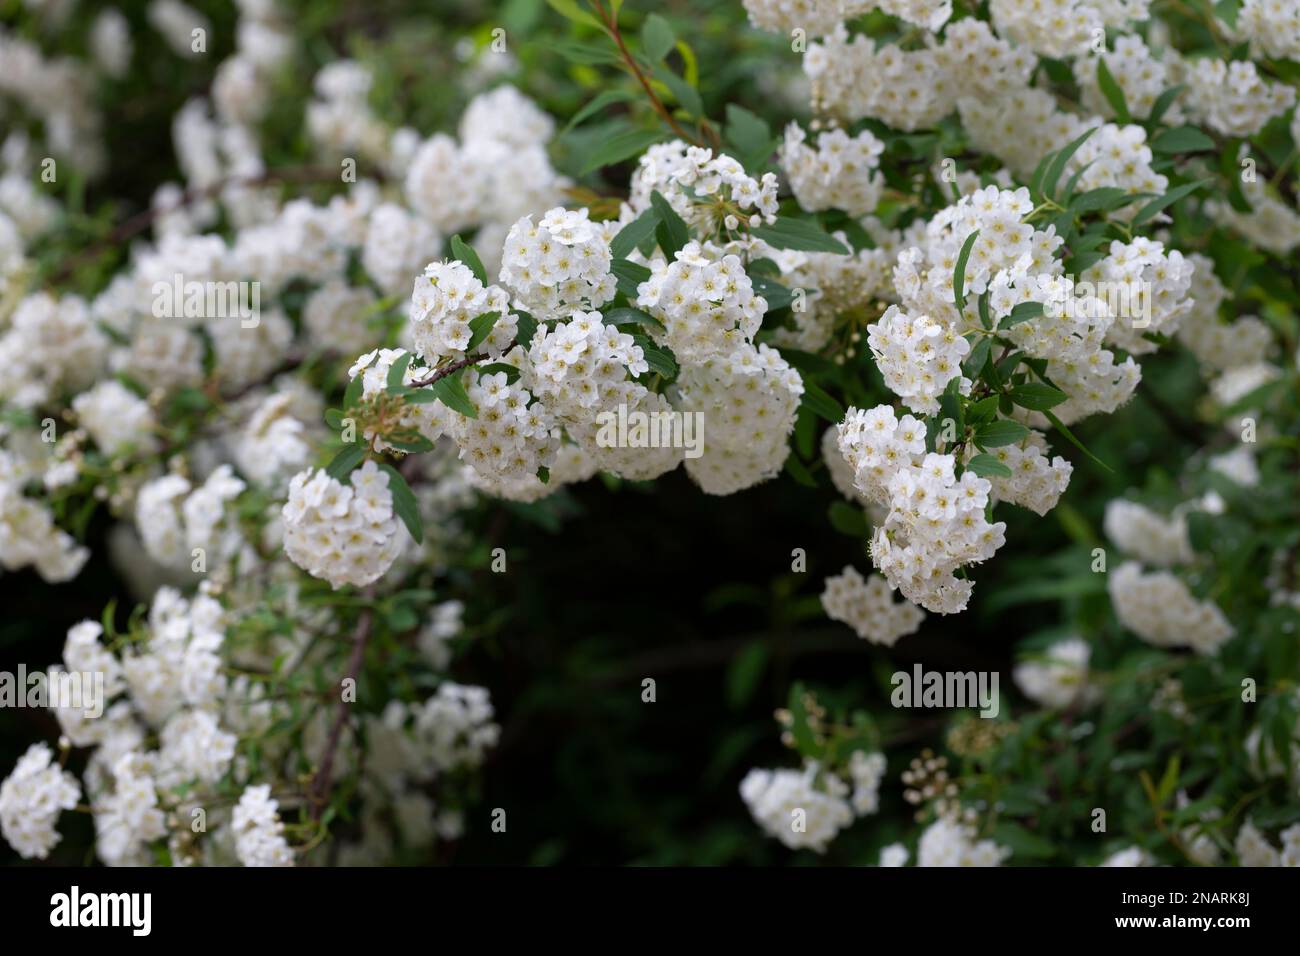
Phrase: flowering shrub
[980,318]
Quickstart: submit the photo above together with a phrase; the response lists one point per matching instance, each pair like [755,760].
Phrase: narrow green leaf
[988,466]
[672,232]
[822,403]
[451,392]
[1111,90]
[999,433]
[800,234]
[466,254]
[618,147]
[526,326]
[627,314]
[1061,160]
[657,37]
[1069,436]
[480,327]
[570,10]
[1165,100]
[1151,209]
[341,465]
[1022,313]
[629,275]
[404,504]
[633,234]
[598,103]
[1037,396]
[959,273]
[1181,139]
[396,374]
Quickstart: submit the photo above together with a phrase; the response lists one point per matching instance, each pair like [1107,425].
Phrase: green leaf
[1037,396]
[480,327]
[466,254]
[451,392]
[1023,313]
[1103,198]
[1069,436]
[1022,842]
[633,234]
[687,96]
[526,326]
[627,314]
[352,396]
[1061,159]
[979,354]
[1112,91]
[657,37]
[1152,208]
[597,104]
[404,503]
[823,404]
[618,147]
[744,674]
[396,374]
[988,466]
[749,134]
[661,360]
[950,404]
[959,273]
[999,433]
[342,464]
[544,475]
[849,520]
[799,471]
[570,10]
[776,295]
[803,235]
[629,275]
[1182,139]
[671,231]
[497,368]
[1165,100]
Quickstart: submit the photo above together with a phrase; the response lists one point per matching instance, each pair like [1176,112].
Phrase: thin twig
[611,24]
[321,782]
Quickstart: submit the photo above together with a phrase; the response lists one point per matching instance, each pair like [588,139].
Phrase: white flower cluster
[747,401]
[917,357]
[1058,676]
[1272,26]
[814,17]
[840,172]
[31,799]
[558,265]
[950,842]
[701,187]
[344,534]
[704,300]
[936,522]
[1139,75]
[1272,223]
[804,809]
[869,608]
[117,419]
[1159,608]
[1254,849]
[259,833]
[1035,482]
[852,80]
[447,297]
[179,522]
[1151,538]
[1232,98]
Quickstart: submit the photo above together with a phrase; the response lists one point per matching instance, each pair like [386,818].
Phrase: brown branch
[320,785]
[451,369]
[611,23]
